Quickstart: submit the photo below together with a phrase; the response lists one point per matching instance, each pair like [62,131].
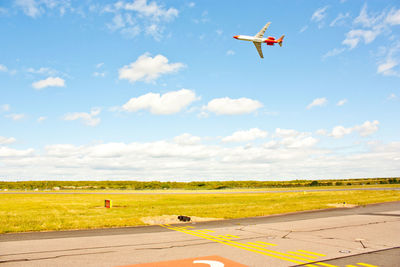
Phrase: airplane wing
[258,46]
[260,34]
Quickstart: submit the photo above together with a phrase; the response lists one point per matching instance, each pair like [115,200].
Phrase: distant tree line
[198,185]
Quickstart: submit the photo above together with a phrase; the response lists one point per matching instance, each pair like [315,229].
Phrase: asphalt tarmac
[360,236]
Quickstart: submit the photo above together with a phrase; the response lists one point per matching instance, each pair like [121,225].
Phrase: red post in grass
[108,203]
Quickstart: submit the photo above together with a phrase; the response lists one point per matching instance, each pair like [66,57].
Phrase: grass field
[168,191]
[38,212]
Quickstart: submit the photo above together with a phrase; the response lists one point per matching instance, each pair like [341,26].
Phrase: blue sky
[159,90]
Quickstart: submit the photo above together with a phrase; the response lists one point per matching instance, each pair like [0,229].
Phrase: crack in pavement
[55,257]
[175,246]
[330,228]
[258,233]
[88,248]
[285,236]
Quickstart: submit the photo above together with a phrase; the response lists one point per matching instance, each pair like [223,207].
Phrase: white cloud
[333,52]
[35,8]
[5,140]
[3,68]
[284,133]
[15,116]
[5,107]
[168,103]
[176,161]
[99,74]
[62,150]
[393,18]
[353,37]
[228,106]
[245,136]
[303,29]
[319,14]
[340,19]
[132,18]
[365,129]
[371,26]
[374,23]
[388,65]
[291,138]
[340,131]
[302,141]
[367,20]
[10,153]
[89,119]
[322,132]
[99,65]
[132,32]
[151,9]
[230,52]
[191,4]
[341,102]
[42,70]
[386,68]
[318,102]
[203,19]
[42,118]
[49,82]
[147,68]
[117,23]
[155,31]
[29,7]
[187,139]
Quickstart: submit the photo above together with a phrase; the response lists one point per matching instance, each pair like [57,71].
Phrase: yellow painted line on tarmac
[255,244]
[325,264]
[225,236]
[243,246]
[312,253]
[366,264]
[202,231]
[184,227]
[234,236]
[268,250]
[302,254]
[351,266]
[265,243]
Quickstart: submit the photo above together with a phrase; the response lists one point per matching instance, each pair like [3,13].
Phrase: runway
[360,236]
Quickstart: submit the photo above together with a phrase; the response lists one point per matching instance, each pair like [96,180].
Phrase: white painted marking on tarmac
[211,263]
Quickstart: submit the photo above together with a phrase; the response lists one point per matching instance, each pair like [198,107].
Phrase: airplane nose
[236,36]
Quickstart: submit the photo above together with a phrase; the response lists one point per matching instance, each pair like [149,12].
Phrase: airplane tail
[280,40]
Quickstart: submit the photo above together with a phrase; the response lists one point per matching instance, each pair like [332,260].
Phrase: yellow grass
[39,212]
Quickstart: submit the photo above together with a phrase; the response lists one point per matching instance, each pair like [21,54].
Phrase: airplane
[258,39]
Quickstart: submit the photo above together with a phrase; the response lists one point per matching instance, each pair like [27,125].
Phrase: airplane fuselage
[269,41]
[258,39]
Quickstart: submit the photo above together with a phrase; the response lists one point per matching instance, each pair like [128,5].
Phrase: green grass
[38,212]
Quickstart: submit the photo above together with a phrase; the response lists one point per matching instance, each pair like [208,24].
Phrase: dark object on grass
[184,218]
